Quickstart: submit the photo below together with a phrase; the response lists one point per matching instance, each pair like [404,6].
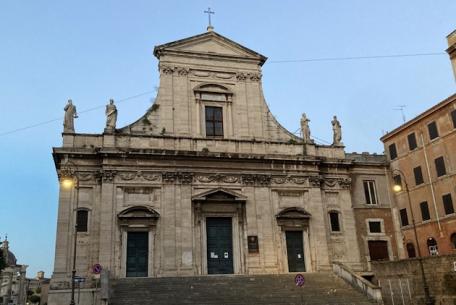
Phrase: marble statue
[70,115]
[337,131]
[111,116]
[305,130]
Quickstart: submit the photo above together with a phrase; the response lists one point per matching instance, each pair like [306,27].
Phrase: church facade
[208,182]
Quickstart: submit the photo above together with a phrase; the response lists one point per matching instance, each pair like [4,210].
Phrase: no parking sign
[299,280]
[96,269]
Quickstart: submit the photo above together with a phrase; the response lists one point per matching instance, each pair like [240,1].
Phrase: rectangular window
[404,217]
[433,132]
[418,175]
[425,211]
[214,121]
[375,227]
[440,166]
[82,217]
[370,192]
[393,151]
[453,118]
[448,204]
[334,218]
[412,141]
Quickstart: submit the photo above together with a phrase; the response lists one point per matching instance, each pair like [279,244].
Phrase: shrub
[34,298]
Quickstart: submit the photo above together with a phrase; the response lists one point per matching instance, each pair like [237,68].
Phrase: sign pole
[299,282]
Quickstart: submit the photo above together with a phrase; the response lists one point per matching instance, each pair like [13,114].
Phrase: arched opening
[453,240]
[432,246]
[410,250]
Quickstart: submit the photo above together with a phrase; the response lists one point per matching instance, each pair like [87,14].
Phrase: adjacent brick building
[424,149]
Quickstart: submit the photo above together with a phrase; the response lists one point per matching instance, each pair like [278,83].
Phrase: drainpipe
[431,184]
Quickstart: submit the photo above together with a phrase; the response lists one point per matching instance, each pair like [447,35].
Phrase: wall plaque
[252,242]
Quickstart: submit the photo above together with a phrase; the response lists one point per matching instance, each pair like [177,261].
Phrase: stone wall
[401,281]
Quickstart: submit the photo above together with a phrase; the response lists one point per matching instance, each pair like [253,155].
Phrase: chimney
[452,50]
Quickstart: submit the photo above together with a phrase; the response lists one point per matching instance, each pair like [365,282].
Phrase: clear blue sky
[95,50]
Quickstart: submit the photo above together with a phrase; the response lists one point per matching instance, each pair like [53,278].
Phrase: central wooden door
[295,251]
[137,254]
[219,245]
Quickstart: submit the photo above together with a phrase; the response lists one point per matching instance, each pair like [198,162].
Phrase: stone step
[319,289]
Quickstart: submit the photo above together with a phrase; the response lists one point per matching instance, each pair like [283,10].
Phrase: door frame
[236,234]
[232,242]
[150,258]
[306,245]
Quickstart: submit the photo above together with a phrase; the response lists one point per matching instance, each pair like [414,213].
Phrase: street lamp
[69,180]
[397,188]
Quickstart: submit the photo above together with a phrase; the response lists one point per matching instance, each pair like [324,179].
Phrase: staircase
[319,289]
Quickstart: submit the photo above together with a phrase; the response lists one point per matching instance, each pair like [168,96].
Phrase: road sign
[79,279]
[299,280]
[96,269]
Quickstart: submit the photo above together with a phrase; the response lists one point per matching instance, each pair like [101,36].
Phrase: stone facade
[12,278]
[174,169]
[415,149]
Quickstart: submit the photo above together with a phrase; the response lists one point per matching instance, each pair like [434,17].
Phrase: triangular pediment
[219,194]
[209,43]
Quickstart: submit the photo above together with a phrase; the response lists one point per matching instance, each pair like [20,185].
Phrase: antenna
[401,109]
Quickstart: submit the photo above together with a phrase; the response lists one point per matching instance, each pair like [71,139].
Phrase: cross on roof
[209,13]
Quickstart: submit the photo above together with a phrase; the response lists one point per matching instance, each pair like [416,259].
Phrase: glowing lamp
[397,188]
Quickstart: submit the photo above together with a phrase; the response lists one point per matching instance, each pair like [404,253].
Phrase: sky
[92,51]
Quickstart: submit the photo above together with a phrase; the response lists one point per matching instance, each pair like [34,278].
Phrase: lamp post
[70,180]
[428,300]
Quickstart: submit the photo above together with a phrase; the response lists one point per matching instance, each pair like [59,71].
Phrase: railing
[370,290]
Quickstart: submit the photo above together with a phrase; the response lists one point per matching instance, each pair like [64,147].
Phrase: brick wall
[401,280]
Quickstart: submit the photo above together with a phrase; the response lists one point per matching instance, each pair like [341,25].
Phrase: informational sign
[96,269]
[299,280]
[79,279]
[252,243]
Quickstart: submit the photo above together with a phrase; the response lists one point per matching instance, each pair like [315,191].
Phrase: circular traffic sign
[299,280]
[96,269]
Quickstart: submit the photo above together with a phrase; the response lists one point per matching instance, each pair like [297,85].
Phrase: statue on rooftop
[337,132]
[305,130]
[111,116]
[70,115]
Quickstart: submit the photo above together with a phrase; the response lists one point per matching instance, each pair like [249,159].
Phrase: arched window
[82,217]
[411,250]
[432,246]
[453,240]
[334,220]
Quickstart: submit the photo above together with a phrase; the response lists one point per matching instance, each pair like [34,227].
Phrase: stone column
[8,272]
[62,265]
[22,293]
[318,230]
[107,220]
[186,230]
